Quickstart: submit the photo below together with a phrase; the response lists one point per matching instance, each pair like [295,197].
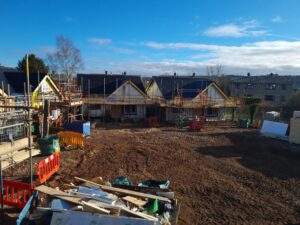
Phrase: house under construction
[168,98]
[189,97]
[119,97]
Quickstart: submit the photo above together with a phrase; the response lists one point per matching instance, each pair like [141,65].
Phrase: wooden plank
[59,194]
[95,208]
[124,191]
[135,201]
[139,214]
[139,188]
[17,145]
[18,157]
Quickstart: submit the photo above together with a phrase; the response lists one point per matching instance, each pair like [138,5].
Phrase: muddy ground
[220,175]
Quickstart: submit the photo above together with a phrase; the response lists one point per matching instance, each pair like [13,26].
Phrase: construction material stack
[98,202]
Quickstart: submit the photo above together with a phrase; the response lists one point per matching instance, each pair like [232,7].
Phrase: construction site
[221,175]
[113,150]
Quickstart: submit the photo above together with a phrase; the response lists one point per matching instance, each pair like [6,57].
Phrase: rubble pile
[98,202]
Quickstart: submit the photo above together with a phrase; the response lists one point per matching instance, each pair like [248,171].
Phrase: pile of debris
[96,202]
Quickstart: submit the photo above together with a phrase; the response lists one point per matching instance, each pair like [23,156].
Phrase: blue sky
[158,36]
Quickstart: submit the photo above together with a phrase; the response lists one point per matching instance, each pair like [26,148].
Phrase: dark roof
[264,79]
[146,81]
[16,81]
[186,86]
[112,82]
[2,77]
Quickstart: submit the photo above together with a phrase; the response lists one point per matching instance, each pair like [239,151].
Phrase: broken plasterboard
[85,218]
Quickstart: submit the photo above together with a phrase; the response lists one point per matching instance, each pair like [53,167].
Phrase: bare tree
[216,70]
[66,59]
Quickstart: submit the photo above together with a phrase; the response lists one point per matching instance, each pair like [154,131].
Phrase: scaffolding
[200,104]
[72,103]
[12,125]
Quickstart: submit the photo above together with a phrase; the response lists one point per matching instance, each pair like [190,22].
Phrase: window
[129,110]
[175,110]
[283,87]
[249,86]
[269,98]
[271,86]
[282,98]
[96,107]
[211,112]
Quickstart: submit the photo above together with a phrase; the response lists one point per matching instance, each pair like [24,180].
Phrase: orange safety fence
[71,138]
[16,193]
[48,167]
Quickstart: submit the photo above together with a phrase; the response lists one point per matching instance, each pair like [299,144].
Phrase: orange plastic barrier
[48,167]
[71,138]
[16,193]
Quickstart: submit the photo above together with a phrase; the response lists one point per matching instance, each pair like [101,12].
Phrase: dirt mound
[220,175]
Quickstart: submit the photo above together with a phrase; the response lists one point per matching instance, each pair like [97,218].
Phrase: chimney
[174,74]
[194,74]
[248,74]
[105,72]
[124,73]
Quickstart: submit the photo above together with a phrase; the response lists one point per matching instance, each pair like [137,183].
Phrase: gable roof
[217,88]
[2,93]
[186,86]
[16,81]
[132,85]
[52,83]
[112,82]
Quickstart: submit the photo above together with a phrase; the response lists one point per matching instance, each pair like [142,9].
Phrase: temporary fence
[48,167]
[71,138]
[16,193]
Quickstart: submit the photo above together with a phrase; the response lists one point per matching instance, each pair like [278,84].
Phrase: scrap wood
[139,214]
[59,194]
[98,198]
[135,201]
[114,209]
[87,205]
[124,191]
[141,189]
[170,195]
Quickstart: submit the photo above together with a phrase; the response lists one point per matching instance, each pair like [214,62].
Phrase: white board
[85,218]
[274,129]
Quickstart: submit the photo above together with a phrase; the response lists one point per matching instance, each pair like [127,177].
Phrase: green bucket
[49,145]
